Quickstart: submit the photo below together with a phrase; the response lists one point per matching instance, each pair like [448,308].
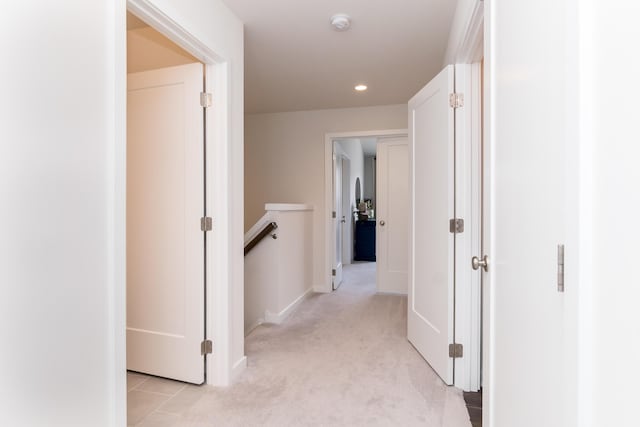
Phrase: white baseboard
[238,368]
[250,329]
[400,294]
[278,318]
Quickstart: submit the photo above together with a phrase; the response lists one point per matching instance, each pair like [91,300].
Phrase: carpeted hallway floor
[341,359]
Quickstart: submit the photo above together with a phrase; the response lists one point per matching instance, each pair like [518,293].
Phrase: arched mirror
[358,195]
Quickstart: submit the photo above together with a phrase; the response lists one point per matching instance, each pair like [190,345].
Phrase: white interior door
[392,228]
[337,220]
[165,246]
[431,262]
[346,217]
[530,122]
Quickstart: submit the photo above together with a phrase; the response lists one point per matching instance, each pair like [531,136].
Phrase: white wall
[370,179]
[610,93]
[353,150]
[147,49]
[62,213]
[284,159]
[278,272]
[57,361]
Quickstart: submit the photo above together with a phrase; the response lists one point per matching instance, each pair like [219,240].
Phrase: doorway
[217,49]
[341,214]
[218,46]
[165,197]
[351,222]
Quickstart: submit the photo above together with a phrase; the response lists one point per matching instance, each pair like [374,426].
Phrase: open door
[430,313]
[346,217]
[337,220]
[165,245]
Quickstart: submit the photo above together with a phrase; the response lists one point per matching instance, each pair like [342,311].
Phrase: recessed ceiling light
[361,88]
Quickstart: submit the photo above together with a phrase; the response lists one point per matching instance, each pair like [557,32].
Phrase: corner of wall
[238,368]
[461,17]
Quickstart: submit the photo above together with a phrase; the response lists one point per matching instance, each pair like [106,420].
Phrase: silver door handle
[382,223]
[343,219]
[476,263]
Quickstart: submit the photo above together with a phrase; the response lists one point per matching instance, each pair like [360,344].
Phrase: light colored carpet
[341,359]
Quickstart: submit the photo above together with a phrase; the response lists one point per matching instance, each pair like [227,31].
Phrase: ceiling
[295,60]
[369,146]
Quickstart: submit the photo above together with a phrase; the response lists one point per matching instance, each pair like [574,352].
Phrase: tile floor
[158,402]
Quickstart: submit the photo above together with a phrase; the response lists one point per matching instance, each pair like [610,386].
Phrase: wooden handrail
[261,235]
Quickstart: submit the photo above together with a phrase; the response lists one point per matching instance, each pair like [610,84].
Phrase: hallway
[341,359]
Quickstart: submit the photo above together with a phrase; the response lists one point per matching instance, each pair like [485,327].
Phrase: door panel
[346,217]
[337,224]
[529,136]
[431,260]
[165,246]
[392,238]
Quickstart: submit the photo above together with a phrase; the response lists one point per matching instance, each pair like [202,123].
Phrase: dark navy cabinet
[365,248]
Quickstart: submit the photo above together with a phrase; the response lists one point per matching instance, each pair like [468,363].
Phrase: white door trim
[469,130]
[475,239]
[326,286]
[346,190]
[471,47]
[347,211]
[338,158]
[219,191]
[468,202]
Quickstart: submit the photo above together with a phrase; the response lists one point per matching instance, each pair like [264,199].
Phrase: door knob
[382,223]
[343,219]
[476,263]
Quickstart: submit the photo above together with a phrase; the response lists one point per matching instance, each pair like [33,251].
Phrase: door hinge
[455,350]
[206,99]
[333,214]
[206,223]
[456,225]
[456,100]
[333,272]
[560,268]
[206,347]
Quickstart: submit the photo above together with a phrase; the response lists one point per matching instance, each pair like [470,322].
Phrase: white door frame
[468,124]
[346,194]
[347,230]
[339,155]
[219,162]
[329,239]
[471,305]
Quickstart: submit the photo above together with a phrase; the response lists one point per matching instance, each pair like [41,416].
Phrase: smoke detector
[341,22]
